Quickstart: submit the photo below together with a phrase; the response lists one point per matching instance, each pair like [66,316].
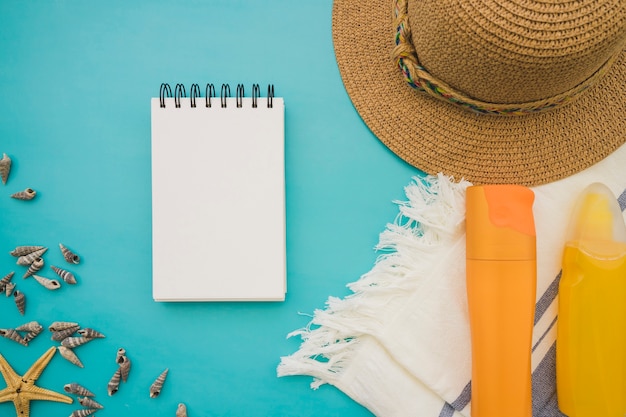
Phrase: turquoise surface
[76,78]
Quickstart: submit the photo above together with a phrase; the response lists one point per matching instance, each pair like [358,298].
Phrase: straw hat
[493,91]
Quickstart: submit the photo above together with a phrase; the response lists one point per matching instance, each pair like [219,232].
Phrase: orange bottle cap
[500,223]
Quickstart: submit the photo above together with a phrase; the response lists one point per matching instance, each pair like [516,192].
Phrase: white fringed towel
[400,344]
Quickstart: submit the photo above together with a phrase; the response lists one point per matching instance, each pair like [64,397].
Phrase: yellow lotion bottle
[591,329]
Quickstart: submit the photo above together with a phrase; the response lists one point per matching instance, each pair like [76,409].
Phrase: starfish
[22,389]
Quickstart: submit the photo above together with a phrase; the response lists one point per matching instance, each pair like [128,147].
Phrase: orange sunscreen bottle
[501,290]
[591,326]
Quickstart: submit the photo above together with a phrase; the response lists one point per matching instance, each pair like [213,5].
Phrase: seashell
[13,335]
[91,333]
[114,384]
[120,352]
[181,410]
[67,276]
[78,389]
[31,326]
[72,342]
[64,334]
[24,250]
[5,280]
[157,385]
[89,403]
[69,354]
[50,284]
[28,259]
[69,256]
[20,301]
[5,168]
[9,289]
[34,267]
[27,194]
[61,325]
[124,367]
[83,412]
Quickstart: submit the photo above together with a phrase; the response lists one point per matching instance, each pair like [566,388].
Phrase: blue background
[76,78]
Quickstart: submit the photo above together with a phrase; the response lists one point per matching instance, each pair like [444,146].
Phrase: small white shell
[157,385]
[181,410]
[67,276]
[27,194]
[24,250]
[114,384]
[89,403]
[69,256]
[28,259]
[50,284]
[72,342]
[69,354]
[75,388]
[31,326]
[34,267]
[5,168]
[61,325]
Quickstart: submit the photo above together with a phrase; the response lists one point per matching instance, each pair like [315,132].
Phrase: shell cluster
[31,257]
[23,334]
[85,398]
[66,333]
[8,287]
[121,373]
[69,334]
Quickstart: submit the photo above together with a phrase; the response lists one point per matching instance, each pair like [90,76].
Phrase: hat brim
[436,136]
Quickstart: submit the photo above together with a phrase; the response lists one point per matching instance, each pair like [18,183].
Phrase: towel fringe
[432,216]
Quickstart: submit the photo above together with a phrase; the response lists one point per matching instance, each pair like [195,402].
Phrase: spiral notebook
[218,195]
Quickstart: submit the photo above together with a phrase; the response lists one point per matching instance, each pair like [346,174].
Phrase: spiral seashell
[69,354]
[20,301]
[67,276]
[28,259]
[27,194]
[157,385]
[64,334]
[50,284]
[24,250]
[120,353]
[14,336]
[181,410]
[124,367]
[75,388]
[90,333]
[31,326]
[5,280]
[90,403]
[8,289]
[5,168]
[72,342]
[34,267]
[114,384]
[69,256]
[61,325]
[83,412]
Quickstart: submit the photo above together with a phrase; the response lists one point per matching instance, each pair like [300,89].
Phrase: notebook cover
[218,201]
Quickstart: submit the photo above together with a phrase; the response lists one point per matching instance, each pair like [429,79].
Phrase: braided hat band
[405,56]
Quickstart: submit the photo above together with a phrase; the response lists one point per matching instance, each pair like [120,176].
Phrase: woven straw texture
[503,51]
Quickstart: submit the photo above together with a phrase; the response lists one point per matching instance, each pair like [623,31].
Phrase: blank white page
[218,201]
